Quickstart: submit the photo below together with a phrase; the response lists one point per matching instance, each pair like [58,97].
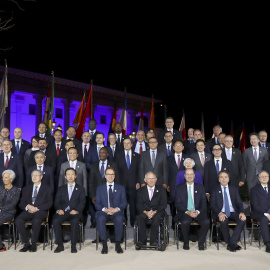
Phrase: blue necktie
[17,147]
[217,166]
[265,188]
[128,161]
[168,150]
[102,170]
[226,202]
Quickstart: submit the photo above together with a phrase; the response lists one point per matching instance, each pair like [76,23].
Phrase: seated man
[260,206]
[151,205]
[110,202]
[69,204]
[35,203]
[226,205]
[190,202]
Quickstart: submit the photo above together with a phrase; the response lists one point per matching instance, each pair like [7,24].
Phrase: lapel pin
[76,188]
[195,191]
[157,190]
[78,166]
[219,192]
[233,152]
[109,165]
[11,156]
[225,169]
[115,190]
[43,172]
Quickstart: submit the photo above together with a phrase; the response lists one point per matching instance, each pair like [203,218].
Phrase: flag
[141,121]
[3,98]
[113,121]
[123,117]
[49,106]
[182,127]
[202,127]
[86,113]
[152,115]
[242,140]
[78,118]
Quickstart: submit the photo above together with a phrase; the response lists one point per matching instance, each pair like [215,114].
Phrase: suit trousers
[203,221]
[224,227]
[143,221]
[36,219]
[131,198]
[117,219]
[92,211]
[264,227]
[74,224]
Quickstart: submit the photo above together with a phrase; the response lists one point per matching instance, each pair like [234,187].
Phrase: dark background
[213,64]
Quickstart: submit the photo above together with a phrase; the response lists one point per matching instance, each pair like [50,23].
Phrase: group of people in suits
[72,178]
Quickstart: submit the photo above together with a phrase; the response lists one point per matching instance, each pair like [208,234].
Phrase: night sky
[201,65]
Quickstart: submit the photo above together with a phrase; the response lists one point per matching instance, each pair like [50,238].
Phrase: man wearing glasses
[110,204]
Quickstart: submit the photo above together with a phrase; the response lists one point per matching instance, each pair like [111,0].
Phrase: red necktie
[6,165]
[140,148]
[58,149]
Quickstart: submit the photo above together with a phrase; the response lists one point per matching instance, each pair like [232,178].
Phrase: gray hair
[41,173]
[11,173]
[39,152]
[150,172]
[189,159]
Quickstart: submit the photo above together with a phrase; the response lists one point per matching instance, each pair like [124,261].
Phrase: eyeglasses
[109,174]
[219,149]
[228,141]
[168,136]
[152,142]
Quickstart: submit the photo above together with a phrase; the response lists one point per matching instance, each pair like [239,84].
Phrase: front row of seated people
[190,201]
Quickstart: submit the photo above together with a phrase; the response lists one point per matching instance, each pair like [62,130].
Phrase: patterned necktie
[102,170]
[69,192]
[265,189]
[18,147]
[151,194]
[141,148]
[228,154]
[128,161]
[153,158]
[6,165]
[226,202]
[110,196]
[217,166]
[39,167]
[202,159]
[58,149]
[190,200]
[178,162]
[34,195]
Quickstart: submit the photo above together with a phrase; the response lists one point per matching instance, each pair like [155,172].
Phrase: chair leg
[44,235]
[125,236]
[211,234]
[244,232]
[52,237]
[251,234]
[177,235]
[259,236]
[217,237]
[80,236]
[97,239]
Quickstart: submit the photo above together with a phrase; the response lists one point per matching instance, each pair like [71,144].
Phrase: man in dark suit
[128,165]
[254,158]
[140,144]
[96,178]
[48,176]
[19,146]
[92,130]
[112,146]
[70,132]
[9,161]
[118,130]
[190,202]
[58,147]
[69,204]
[5,133]
[211,142]
[263,140]
[177,136]
[260,206]
[36,201]
[226,206]
[235,156]
[175,165]
[84,146]
[167,147]
[213,167]
[110,203]
[42,133]
[155,161]
[151,205]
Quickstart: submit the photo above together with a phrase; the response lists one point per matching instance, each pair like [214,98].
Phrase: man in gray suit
[77,165]
[156,161]
[254,157]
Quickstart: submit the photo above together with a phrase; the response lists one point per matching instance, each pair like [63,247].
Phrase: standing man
[112,145]
[140,145]
[19,146]
[211,142]
[71,132]
[118,128]
[190,202]
[110,204]
[58,147]
[36,201]
[5,133]
[254,157]
[263,140]
[84,146]
[69,204]
[227,206]
[167,147]
[92,130]
[169,123]
[42,133]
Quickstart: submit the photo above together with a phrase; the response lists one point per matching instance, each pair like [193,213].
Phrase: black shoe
[186,246]
[267,249]
[154,244]
[33,248]
[231,247]
[25,248]
[201,247]
[59,249]
[93,225]
[118,248]
[140,244]
[104,249]
[73,249]
[237,247]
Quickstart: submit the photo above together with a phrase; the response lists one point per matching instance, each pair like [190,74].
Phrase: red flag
[86,113]
[242,141]
[182,127]
[152,115]
[79,114]
[141,121]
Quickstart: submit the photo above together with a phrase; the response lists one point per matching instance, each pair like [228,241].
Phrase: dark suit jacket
[267,147]
[44,199]
[172,172]
[163,147]
[95,179]
[198,165]
[48,176]
[81,150]
[181,198]
[216,200]
[24,146]
[53,149]
[76,202]
[260,202]
[211,142]
[177,136]
[75,140]
[211,176]
[134,146]
[160,168]
[122,139]
[128,177]
[190,148]
[15,164]
[49,138]
[158,202]
[237,164]
[119,197]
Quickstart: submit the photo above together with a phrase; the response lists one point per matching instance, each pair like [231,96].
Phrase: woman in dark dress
[9,198]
